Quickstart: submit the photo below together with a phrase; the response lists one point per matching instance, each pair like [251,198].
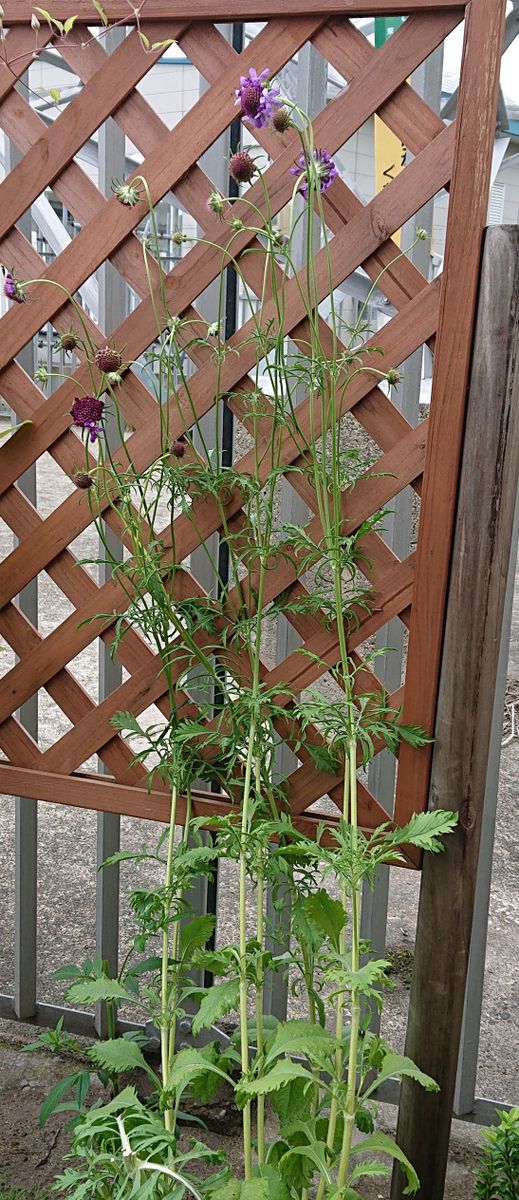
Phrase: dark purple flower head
[86,412]
[12,289]
[179,446]
[242,166]
[257,101]
[319,172]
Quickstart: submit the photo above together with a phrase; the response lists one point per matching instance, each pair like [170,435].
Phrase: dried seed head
[179,447]
[82,480]
[281,120]
[68,340]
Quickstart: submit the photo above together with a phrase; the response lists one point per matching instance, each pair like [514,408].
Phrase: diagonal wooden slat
[377,81]
[372,224]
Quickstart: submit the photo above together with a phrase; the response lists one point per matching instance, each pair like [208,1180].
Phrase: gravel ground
[66,930]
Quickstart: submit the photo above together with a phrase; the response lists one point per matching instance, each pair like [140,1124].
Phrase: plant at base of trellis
[497,1175]
[321,1080]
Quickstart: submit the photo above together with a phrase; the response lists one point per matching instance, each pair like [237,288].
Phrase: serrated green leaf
[276,1186]
[326,914]
[299,1037]
[117,1055]
[68,971]
[91,991]
[368,1168]
[126,720]
[254,1189]
[218,1001]
[128,1098]
[196,934]
[229,1191]
[187,1064]
[425,829]
[398,1065]
[380,1143]
[281,1073]
[291,1103]
[315,1153]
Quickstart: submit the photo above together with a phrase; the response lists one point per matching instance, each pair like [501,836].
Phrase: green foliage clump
[497,1177]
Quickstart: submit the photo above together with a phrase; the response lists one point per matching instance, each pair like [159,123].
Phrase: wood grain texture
[484,521]
[467,216]
[362,236]
[18,12]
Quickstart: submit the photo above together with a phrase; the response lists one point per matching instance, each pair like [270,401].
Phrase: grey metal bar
[112,310]
[26,811]
[464,1095]
[311,97]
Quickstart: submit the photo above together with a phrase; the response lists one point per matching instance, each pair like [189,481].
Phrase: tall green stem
[244,1033]
[260,1039]
[351,1093]
[164,990]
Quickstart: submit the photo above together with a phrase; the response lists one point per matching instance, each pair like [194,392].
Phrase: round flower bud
[241,167]
[108,359]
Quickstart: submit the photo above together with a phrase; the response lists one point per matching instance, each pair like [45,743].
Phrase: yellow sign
[390,152]
[390,155]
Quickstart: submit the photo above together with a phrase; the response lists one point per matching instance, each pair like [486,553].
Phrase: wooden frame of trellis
[439,313]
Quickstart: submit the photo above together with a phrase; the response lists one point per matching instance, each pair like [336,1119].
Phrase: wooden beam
[485,513]
[18,12]
[467,217]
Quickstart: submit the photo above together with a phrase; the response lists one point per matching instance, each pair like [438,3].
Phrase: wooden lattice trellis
[440,314]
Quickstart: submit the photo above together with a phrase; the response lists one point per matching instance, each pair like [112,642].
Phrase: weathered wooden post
[485,513]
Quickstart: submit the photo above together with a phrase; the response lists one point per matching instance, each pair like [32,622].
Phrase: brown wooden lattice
[440,314]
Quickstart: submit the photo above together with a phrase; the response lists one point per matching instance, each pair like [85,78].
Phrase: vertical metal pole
[465,1091]
[112,309]
[26,811]
[311,97]
[427,82]
[203,895]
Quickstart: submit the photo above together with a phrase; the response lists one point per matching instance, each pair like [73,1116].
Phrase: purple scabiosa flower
[12,289]
[322,171]
[242,166]
[258,102]
[86,412]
